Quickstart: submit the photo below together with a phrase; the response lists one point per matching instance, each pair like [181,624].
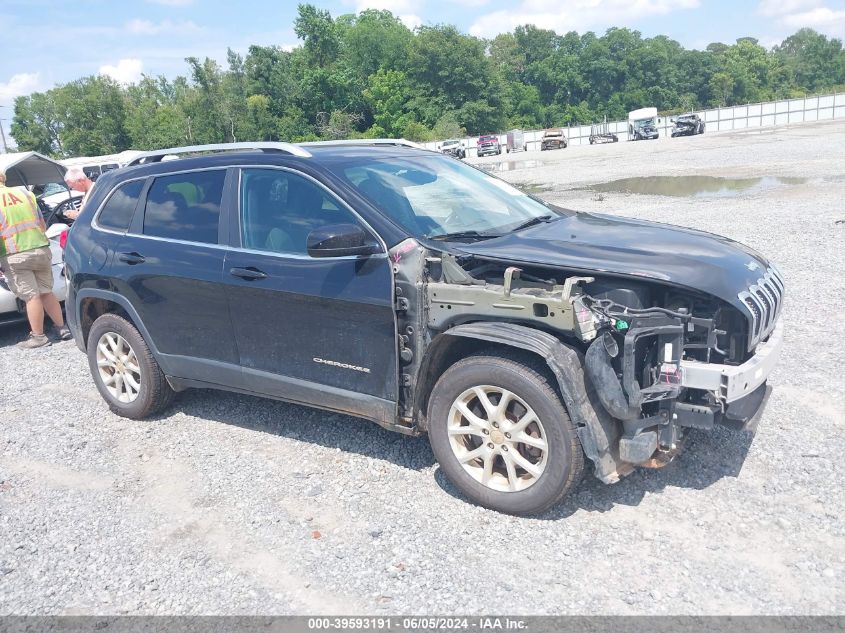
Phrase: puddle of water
[695,186]
[533,187]
[510,165]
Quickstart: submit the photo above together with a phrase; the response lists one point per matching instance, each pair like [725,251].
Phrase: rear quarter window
[119,208]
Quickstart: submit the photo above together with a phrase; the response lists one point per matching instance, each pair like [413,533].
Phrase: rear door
[170,266]
[314,330]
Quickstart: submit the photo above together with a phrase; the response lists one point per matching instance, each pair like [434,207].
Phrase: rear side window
[185,206]
[116,214]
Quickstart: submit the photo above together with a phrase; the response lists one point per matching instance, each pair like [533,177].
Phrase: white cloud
[797,14]
[394,6]
[821,18]
[145,27]
[411,21]
[772,8]
[127,71]
[574,15]
[19,85]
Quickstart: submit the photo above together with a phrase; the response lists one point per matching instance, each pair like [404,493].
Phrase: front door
[314,330]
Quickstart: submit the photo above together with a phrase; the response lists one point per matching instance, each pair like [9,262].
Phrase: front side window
[117,212]
[185,206]
[279,209]
[436,197]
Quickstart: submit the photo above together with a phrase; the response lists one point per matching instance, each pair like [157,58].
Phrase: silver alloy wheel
[118,367]
[497,438]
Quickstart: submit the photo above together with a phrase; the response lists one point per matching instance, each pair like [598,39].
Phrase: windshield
[435,196]
[641,123]
[51,188]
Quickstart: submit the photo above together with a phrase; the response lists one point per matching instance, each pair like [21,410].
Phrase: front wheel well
[92,308]
[446,350]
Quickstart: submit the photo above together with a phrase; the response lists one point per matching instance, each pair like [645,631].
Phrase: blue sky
[46,42]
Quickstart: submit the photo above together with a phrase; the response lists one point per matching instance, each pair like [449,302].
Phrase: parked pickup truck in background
[553,139]
[488,144]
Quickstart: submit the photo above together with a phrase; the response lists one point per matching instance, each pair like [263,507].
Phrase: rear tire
[126,374]
[510,469]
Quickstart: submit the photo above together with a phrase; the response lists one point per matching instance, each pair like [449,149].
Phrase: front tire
[126,374]
[502,436]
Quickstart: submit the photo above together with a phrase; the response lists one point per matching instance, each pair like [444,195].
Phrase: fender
[598,431]
[123,302]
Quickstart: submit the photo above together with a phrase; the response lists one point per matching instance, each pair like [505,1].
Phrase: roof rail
[366,141]
[156,155]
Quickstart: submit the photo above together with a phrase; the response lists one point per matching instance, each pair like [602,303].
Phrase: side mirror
[341,240]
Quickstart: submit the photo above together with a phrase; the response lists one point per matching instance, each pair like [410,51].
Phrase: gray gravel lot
[236,505]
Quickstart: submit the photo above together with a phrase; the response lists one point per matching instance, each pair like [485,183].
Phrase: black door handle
[131,258]
[250,274]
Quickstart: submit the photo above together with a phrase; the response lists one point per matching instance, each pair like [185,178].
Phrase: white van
[642,124]
[96,166]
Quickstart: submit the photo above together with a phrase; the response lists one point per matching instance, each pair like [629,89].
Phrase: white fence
[773,113]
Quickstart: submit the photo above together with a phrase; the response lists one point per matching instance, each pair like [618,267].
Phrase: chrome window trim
[175,241]
[252,251]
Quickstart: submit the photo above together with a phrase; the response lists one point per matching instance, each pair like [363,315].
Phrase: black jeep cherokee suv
[405,287]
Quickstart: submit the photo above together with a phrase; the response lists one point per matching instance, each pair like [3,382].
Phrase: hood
[593,243]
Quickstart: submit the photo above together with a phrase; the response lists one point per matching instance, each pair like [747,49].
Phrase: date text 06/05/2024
[419,623]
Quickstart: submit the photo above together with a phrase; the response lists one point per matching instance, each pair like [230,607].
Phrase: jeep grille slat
[764,301]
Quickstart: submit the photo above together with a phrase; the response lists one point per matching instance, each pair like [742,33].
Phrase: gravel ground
[235,505]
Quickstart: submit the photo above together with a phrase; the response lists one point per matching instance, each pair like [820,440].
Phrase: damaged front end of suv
[649,330]
[638,361]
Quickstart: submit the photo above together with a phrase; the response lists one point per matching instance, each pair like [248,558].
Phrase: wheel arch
[92,303]
[598,431]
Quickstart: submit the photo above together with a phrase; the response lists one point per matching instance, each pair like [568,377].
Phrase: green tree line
[368,75]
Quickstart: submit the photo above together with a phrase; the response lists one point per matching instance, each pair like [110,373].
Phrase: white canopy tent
[30,168]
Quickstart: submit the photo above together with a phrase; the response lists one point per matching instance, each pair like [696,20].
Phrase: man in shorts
[27,262]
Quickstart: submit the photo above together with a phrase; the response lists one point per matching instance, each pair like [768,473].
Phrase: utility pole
[3,138]
[3,135]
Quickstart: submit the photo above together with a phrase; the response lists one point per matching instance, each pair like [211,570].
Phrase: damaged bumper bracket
[730,383]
